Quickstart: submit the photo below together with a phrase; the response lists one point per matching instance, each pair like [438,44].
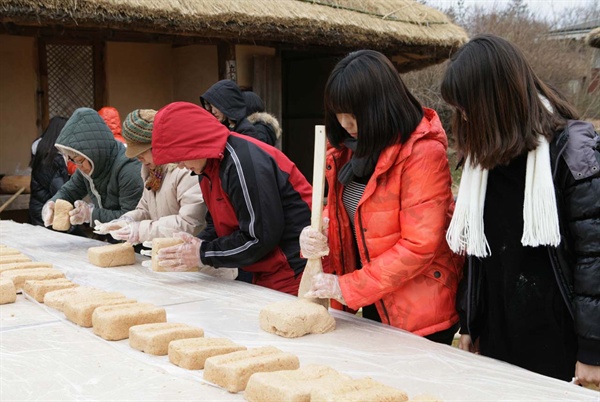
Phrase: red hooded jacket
[111,117]
[408,270]
[258,201]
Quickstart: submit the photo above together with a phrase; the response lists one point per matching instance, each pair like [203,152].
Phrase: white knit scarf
[540,215]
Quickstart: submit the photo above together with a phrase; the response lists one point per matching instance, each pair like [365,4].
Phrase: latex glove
[587,375]
[313,244]
[466,343]
[130,233]
[48,213]
[116,224]
[182,256]
[148,245]
[82,213]
[325,286]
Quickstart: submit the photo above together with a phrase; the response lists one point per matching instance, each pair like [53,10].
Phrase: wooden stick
[11,199]
[314,265]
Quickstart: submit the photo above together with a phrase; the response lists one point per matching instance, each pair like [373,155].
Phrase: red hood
[184,131]
[111,116]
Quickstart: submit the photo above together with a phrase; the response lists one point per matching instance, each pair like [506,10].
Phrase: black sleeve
[251,182]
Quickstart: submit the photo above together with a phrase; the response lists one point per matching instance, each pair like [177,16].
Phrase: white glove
[182,256]
[116,224]
[147,244]
[129,233]
[48,213]
[82,213]
[313,244]
[325,286]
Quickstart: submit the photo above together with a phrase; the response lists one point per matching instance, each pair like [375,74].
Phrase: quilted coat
[114,185]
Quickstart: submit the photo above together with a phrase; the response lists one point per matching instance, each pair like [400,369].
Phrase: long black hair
[367,85]
[46,151]
[499,102]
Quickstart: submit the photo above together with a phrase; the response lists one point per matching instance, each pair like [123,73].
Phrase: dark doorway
[304,77]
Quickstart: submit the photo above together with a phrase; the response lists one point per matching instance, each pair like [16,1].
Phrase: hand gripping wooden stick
[313,265]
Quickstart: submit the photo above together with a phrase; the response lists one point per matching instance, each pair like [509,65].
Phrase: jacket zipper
[560,281]
[368,258]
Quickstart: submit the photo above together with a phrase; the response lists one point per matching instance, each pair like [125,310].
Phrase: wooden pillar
[227,62]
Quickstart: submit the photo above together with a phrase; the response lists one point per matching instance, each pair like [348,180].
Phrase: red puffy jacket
[408,270]
[111,117]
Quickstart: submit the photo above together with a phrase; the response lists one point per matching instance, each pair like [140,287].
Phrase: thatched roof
[593,38]
[420,34]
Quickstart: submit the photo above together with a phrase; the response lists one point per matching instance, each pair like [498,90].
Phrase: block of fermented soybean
[9,251]
[19,276]
[155,338]
[9,259]
[24,265]
[8,292]
[294,318]
[62,219]
[113,322]
[291,385]
[232,371]
[56,299]
[162,242]
[113,255]
[38,289]
[80,312]
[365,389]
[192,353]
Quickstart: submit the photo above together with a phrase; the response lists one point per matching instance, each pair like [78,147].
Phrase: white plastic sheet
[45,357]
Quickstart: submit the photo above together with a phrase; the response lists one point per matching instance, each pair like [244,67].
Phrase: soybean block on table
[155,338]
[233,370]
[113,322]
[24,265]
[19,276]
[192,353]
[113,255]
[37,289]
[291,385]
[9,251]
[62,219]
[9,259]
[57,299]
[80,312]
[294,318]
[365,389]
[8,292]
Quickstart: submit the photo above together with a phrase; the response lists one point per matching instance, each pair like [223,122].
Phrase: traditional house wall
[244,56]
[195,69]
[138,76]
[18,109]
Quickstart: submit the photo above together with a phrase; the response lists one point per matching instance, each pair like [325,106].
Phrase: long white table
[45,357]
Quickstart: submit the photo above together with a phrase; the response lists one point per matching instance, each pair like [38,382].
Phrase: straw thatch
[418,34]
[593,38]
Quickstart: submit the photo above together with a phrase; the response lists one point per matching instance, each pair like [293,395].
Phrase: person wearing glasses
[225,101]
[105,175]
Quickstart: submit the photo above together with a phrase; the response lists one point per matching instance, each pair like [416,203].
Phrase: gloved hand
[313,244]
[129,233]
[148,253]
[82,213]
[48,213]
[182,256]
[116,224]
[325,286]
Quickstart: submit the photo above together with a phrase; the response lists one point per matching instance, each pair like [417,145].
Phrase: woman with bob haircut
[389,203]
[526,215]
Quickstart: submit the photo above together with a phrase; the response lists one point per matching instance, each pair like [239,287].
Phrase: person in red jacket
[258,201]
[389,203]
[111,117]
